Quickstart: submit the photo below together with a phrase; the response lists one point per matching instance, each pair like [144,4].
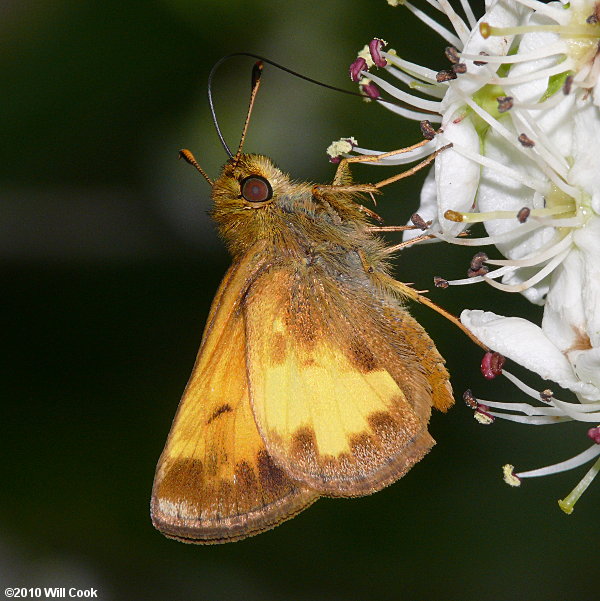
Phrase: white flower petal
[532,90]
[457,177]
[596,93]
[587,240]
[523,342]
[498,193]
[555,123]
[564,317]
[428,207]
[587,367]
[585,151]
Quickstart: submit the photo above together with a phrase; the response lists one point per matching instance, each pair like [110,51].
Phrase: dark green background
[109,265]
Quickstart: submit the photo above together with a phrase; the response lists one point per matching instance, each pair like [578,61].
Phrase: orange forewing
[215,481]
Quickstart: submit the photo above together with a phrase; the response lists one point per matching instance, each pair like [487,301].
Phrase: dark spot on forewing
[362,357]
[272,478]
[386,428]
[304,448]
[246,477]
[249,494]
[183,479]
[225,408]
[226,499]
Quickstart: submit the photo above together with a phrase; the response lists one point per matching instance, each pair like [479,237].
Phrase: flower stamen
[508,473]
[434,25]
[432,106]
[568,503]
[555,413]
[544,52]
[563,466]
[480,217]
[412,69]
[535,279]
[568,31]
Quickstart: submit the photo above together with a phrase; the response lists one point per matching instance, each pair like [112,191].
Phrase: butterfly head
[248,181]
[251,198]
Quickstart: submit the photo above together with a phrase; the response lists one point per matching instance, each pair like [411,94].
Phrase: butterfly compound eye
[255,188]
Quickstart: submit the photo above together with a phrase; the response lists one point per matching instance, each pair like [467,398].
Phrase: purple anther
[356,68]
[375,46]
[371,90]
[491,365]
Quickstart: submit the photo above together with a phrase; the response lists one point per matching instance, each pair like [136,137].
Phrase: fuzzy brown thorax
[295,219]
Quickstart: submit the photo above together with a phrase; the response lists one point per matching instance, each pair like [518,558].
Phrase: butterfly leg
[372,158]
[321,190]
[371,214]
[412,170]
[418,224]
[407,243]
[342,173]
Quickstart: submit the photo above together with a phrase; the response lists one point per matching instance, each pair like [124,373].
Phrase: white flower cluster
[520,104]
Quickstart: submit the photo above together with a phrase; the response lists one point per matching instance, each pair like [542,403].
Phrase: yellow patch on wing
[215,481]
[329,410]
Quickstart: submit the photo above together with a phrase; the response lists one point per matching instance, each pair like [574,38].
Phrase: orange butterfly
[311,379]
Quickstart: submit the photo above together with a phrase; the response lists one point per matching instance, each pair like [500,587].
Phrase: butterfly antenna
[188,157]
[256,73]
